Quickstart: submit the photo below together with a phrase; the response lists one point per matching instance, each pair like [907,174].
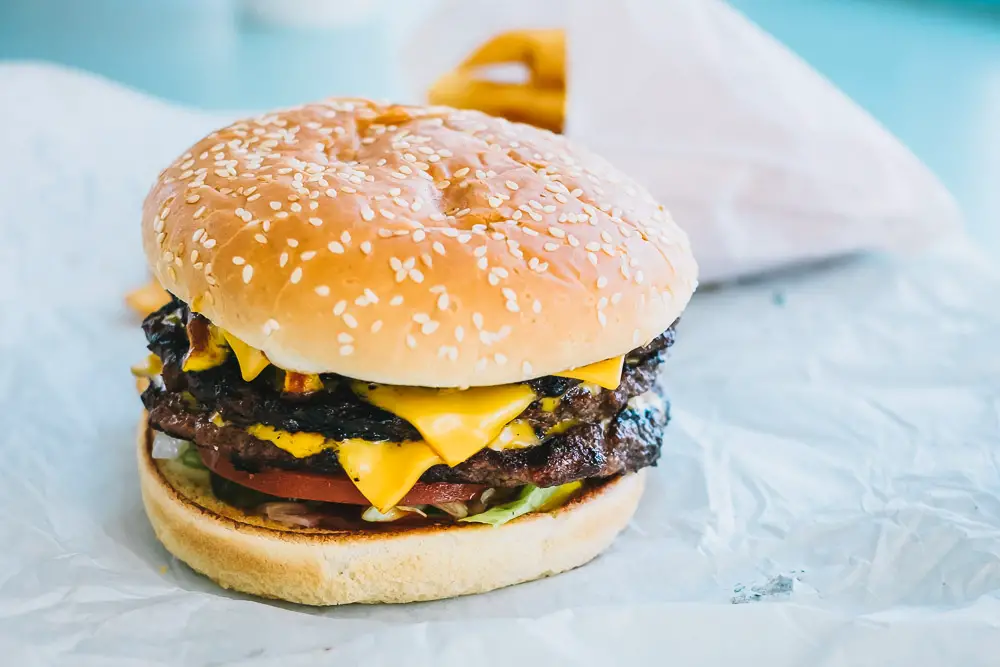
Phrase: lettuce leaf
[530,499]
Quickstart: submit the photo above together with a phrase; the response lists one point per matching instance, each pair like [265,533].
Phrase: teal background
[929,71]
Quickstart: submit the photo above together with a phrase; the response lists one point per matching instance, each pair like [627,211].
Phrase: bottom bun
[254,555]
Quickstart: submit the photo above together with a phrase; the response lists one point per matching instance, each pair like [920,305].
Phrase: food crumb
[780,585]
[778,298]
[163,569]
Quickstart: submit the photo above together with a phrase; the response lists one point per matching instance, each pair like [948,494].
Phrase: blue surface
[930,71]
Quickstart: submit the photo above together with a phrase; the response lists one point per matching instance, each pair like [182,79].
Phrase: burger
[410,352]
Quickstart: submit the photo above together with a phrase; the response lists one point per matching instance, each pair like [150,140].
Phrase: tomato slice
[329,488]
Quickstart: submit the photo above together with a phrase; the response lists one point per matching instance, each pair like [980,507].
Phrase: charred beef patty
[601,438]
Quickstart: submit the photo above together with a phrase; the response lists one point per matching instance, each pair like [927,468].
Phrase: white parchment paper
[832,465]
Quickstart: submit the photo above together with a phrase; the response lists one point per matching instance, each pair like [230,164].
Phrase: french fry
[147,299]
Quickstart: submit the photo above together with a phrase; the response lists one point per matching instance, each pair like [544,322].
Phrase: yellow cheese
[301,383]
[516,435]
[252,361]
[207,346]
[562,427]
[298,445]
[455,423]
[385,471]
[607,373]
[152,366]
[550,403]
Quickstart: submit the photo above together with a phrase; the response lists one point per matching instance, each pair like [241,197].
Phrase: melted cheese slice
[455,423]
[252,361]
[385,471]
[607,373]
[206,349]
[516,435]
[299,445]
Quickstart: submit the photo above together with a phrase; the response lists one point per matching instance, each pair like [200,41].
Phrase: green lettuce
[530,499]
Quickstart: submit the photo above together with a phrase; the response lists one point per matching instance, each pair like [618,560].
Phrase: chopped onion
[456,508]
[294,514]
[394,513]
[168,447]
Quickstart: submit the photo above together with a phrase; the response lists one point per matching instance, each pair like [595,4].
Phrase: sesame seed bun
[415,246]
[318,567]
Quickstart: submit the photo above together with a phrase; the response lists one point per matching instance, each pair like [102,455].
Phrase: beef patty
[598,435]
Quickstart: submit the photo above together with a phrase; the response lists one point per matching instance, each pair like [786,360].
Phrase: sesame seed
[247,273]
[482,263]
[275,205]
[396,300]
[537,306]
[411,342]
[419,235]
[322,290]
[296,275]
[346,350]
[494,202]
[526,368]
[461,172]
[260,238]
[294,243]
[512,306]
[270,326]
[602,318]
[239,261]
[210,243]
[283,259]
[193,199]
[416,275]
[500,358]
[344,337]
[376,325]
[573,241]
[556,232]
[442,302]
[315,222]
[511,184]
[477,319]
[427,328]
[366,247]
[350,321]
[602,282]
[307,255]
[367,214]
[336,247]
[459,333]
[551,247]
[340,307]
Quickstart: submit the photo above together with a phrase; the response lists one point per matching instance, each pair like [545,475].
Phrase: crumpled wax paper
[764,162]
[827,495]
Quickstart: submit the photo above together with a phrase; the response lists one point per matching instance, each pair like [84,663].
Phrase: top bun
[415,245]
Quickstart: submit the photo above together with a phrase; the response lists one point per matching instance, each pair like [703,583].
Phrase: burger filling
[311,444]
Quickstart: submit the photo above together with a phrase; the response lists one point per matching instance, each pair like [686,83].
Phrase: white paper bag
[757,156]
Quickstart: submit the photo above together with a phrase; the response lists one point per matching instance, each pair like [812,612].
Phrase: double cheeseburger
[411,353]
